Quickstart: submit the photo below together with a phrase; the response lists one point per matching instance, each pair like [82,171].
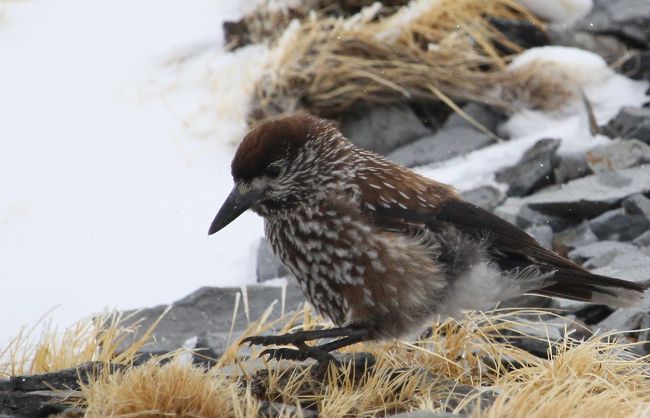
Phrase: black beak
[236,203]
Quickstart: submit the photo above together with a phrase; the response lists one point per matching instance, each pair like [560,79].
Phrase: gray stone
[36,404]
[631,265]
[481,113]
[617,225]
[64,379]
[268,265]
[643,240]
[543,234]
[637,204]
[443,145]
[572,238]
[637,66]
[607,46]
[571,167]
[536,336]
[521,32]
[630,123]
[634,267]
[627,19]
[533,171]
[600,254]
[383,128]
[207,315]
[487,197]
[592,195]
[516,212]
[618,154]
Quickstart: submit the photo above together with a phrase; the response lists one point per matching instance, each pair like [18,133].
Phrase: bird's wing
[508,246]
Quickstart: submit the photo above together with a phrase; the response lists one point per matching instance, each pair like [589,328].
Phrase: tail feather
[588,287]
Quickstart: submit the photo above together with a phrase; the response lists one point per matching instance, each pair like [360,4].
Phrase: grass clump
[424,51]
[463,366]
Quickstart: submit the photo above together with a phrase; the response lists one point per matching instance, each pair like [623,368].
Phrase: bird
[379,249]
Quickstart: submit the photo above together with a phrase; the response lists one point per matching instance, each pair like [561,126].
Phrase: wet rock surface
[443,145]
[203,319]
[628,20]
[630,123]
[383,129]
[533,171]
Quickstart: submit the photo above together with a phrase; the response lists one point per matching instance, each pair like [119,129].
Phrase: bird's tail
[602,290]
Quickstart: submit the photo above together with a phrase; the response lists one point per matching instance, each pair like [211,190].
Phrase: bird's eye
[273,171]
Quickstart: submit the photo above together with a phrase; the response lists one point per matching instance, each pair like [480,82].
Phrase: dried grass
[329,65]
[172,389]
[597,377]
[95,339]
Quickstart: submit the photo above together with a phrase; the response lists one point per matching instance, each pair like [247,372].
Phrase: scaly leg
[299,337]
[321,353]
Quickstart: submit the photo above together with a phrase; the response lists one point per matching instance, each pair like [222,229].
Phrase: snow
[559,11]
[120,120]
[606,90]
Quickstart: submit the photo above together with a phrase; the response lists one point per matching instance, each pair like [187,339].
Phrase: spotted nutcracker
[380,249]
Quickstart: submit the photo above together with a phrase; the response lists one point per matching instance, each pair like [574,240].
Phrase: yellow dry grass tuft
[594,378]
[99,338]
[460,363]
[172,389]
[329,65]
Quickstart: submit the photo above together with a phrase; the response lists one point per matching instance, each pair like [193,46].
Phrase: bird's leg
[320,353]
[296,338]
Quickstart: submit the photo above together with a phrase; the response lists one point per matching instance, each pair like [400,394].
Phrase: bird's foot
[301,354]
[297,338]
[283,339]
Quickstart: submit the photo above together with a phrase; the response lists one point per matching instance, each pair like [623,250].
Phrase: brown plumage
[380,249]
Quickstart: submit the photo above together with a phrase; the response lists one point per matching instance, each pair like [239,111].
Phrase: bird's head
[281,163]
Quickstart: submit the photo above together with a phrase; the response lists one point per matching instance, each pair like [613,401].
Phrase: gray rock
[630,123]
[637,204]
[631,265]
[534,335]
[533,171]
[627,19]
[521,32]
[600,254]
[268,265]
[571,167]
[592,195]
[643,240]
[516,212]
[487,197]
[607,46]
[618,154]
[634,267]
[43,403]
[637,66]
[383,128]
[64,379]
[617,225]
[485,115]
[543,234]
[572,238]
[207,315]
[443,145]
